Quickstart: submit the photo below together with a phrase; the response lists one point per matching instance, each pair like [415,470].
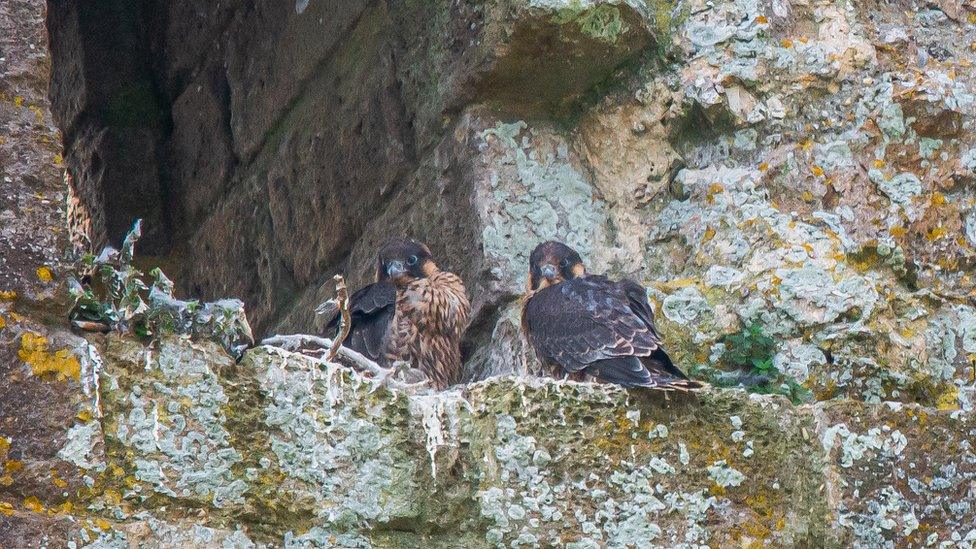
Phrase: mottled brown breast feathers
[431,315]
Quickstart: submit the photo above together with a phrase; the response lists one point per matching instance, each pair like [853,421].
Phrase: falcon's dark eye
[564,263]
[412,260]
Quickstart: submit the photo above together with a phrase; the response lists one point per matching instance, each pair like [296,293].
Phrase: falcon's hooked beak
[396,269]
[548,275]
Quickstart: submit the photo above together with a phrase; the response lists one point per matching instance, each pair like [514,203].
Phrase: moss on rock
[281,450]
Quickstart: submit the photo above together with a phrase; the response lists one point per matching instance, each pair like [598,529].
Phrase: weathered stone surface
[42,366]
[804,167]
[280,450]
[907,473]
[28,529]
[302,109]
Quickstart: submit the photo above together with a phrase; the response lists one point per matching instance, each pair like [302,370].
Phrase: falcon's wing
[584,320]
[604,329]
[658,360]
[371,311]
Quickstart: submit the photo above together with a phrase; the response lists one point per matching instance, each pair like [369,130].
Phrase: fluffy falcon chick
[588,325]
[414,312]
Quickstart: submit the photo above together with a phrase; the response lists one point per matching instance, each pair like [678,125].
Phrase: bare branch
[345,320]
[384,376]
[293,342]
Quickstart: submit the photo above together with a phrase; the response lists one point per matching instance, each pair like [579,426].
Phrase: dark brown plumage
[587,325]
[371,312]
[414,312]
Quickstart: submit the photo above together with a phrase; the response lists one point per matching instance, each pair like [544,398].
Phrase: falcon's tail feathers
[664,375]
[631,372]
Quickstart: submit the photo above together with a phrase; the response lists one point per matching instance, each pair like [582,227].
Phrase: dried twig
[345,321]
[294,342]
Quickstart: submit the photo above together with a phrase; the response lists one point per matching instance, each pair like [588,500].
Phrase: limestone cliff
[794,181]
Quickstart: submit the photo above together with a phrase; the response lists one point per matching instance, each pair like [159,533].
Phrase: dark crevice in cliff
[267,146]
[110,106]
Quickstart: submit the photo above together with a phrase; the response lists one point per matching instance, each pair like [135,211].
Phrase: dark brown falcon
[588,325]
[414,312]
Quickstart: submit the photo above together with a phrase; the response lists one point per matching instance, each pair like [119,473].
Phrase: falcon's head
[553,262]
[403,260]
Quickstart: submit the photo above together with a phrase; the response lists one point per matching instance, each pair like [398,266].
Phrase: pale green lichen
[724,475]
[324,458]
[81,446]
[901,189]
[173,422]
[536,195]
[597,19]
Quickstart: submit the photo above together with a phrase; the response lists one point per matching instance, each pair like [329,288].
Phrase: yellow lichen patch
[763,166]
[709,234]
[19,101]
[112,497]
[935,234]
[84,415]
[949,400]
[897,232]
[61,364]
[817,171]
[3,322]
[38,113]
[938,199]
[44,274]
[31,503]
[102,524]
[715,188]
[762,20]
[786,43]
[13,465]
[676,284]
[8,295]
[58,481]
[879,163]
[6,508]
[807,196]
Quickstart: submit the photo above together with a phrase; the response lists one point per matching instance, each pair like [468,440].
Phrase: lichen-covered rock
[281,450]
[45,371]
[907,473]
[792,177]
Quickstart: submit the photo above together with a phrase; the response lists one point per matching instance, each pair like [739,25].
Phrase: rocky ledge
[178,445]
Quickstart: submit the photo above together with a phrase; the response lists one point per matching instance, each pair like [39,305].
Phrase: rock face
[794,181]
[238,133]
[35,413]
[804,168]
[179,445]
